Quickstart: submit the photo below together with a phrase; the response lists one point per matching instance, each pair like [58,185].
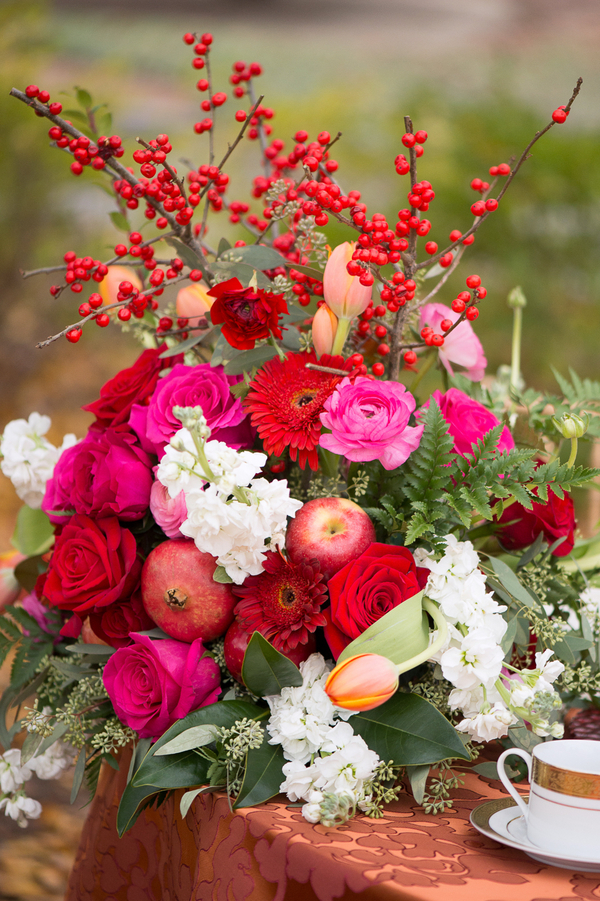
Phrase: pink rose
[468,421]
[152,684]
[168,512]
[189,386]
[461,346]
[106,474]
[369,421]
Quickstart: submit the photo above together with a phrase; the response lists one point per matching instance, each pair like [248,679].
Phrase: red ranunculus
[152,684]
[133,385]
[94,563]
[247,314]
[113,624]
[554,519]
[364,590]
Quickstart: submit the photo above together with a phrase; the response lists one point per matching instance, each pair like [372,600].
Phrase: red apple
[236,642]
[331,530]
[180,595]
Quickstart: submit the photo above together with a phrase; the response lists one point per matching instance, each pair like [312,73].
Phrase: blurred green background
[481,76]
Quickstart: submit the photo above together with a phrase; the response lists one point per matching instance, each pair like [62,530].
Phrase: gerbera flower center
[287,596]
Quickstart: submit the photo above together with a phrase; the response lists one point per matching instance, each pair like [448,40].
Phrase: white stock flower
[299,780]
[54,761]
[21,808]
[348,765]
[490,725]
[29,458]
[549,671]
[12,773]
[477,661]
[312,810]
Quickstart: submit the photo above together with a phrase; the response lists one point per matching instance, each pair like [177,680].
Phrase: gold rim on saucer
[566,782]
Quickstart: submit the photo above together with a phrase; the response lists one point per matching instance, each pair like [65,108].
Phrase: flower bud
[343,293]
[324,327]
[570,425]
[362,682]
[516,298]
[192,419]
[109,286]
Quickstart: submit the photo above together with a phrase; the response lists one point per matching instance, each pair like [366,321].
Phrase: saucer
[502,821]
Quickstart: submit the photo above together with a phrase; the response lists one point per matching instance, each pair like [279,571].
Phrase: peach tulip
[343,293]
[324,327]
[362,682]
[194,303]
[109,286]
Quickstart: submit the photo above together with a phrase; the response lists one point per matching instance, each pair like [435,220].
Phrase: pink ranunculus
[168,512]
[190,386]
[152,684]
[461,347]
[468,421]
[369,421]
[106,474]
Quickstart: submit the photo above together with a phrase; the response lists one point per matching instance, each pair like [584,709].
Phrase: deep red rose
[247,314]
[94,563]
[554,519]
[133,385]
[113,624]
[364,590]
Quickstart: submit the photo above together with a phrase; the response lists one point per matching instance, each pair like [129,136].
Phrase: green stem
[427,364]
[199,445]
[573,454]
[515,362]
[340,336]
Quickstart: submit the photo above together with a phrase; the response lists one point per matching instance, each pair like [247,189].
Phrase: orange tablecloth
[271,853]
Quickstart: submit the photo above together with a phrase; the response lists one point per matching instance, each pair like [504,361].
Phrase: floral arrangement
[272,564]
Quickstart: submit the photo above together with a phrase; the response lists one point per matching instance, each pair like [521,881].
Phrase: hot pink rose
[106,474]
[468,421]
[461,346]
[369,421]
[152,684]
[189,386]
[168,512]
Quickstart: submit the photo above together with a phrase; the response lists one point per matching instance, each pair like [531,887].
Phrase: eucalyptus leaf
[291,339]
[190,257]
[410,731]
[511,582]
[223,246]
[263,774]
[189,797]
[307,270]
[250,358]
[418,780]
[78,775]
[58,732]
[155,633]
[195,737]
[27,571]
[31,744]
[265,671]
[521,737]
[34,533]
[181,347]
[570,646]
[222,576]
[243,273]
[509,636]
[255,255]
[96,650]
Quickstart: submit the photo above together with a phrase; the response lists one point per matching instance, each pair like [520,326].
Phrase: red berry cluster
[84,151]
[305,286]
[79,270]
[137,250]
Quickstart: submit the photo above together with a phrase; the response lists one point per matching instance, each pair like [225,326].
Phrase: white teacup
[563,814]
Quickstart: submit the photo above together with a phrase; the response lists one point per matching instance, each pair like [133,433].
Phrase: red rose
[113,624]
[129,386]
[367,588]
[554,519]
[94,563]
[247,314]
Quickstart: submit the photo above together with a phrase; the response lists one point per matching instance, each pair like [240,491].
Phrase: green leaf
[255,255]
[263,774]
[119,220]
[30,688]
[27,659]
[418,780]
[511,582]
[307,270]
[291,339]
[78,775]
[195,737]
[487,769]
[243,273]
[189,797]
[96,650]
[265,671]
[77,115]
[34,533]
[83,97]
[221,575]
[190,257]
[509,636]
[6,734]
[569,648]
[104,123]
[27,571]
[387,636]
[410,731]
[31,744]
[245,361]
[181,347]
[521,737]
[223,246]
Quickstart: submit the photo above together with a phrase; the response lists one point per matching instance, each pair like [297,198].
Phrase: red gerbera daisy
[283,603]
[286,400]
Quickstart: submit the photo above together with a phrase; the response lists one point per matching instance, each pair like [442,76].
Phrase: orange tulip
[193,303]
[324,327]
[343,293]
[109,286]
[362,682]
